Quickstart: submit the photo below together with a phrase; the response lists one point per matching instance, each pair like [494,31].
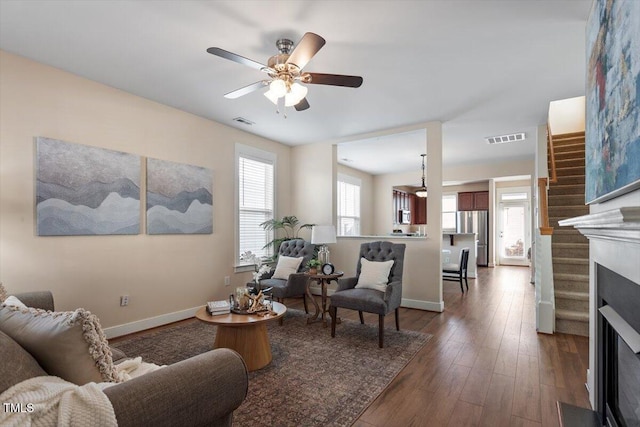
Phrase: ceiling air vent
[243,121]
[502,139]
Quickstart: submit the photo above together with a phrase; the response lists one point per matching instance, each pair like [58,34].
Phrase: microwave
[404,216]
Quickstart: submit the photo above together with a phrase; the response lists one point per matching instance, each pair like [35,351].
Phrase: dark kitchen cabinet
[473,201]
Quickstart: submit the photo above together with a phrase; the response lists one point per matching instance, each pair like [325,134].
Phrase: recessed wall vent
[502,139]
[243,121]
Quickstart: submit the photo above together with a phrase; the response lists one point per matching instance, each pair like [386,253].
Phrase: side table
[323,280]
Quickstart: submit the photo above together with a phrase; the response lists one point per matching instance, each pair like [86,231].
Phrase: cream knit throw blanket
[56,402]
[52,401]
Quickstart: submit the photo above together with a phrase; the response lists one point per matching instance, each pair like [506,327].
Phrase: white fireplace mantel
[622,224]
[614,242]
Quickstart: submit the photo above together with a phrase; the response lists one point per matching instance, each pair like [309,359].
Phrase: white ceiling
[481,67]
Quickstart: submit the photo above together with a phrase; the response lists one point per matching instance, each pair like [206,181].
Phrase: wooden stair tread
[572,315]
[581,296]
[571,277]
[566,260]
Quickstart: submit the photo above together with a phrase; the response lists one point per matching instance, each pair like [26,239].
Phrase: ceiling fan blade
[235,58]
[247,89]
[307,47]
[332,79]
[302,105]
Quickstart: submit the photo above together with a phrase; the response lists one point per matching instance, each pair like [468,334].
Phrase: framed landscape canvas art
[613,100]
[84,190]
[179,198]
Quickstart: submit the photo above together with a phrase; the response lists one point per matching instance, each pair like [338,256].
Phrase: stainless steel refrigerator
[476,222]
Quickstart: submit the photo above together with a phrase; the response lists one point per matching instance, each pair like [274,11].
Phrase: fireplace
[613,378]
[618,344]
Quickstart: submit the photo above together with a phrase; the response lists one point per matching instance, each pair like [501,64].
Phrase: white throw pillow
[374,274]
[11,300]
[286,265]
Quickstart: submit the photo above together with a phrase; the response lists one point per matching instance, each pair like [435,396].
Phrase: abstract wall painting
[179,198]
[613,100]
[83,190]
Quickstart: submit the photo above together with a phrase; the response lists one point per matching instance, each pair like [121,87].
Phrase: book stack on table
[218,307]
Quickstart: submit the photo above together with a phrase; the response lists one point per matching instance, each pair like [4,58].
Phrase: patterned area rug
[313,380]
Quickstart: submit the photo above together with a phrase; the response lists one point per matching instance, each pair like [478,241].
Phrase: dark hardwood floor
[485,365]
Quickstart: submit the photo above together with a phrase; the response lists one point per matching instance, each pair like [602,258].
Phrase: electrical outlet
[124,300]
[227,281]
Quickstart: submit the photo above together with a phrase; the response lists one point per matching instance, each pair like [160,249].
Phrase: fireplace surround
[614,299]
[618,346]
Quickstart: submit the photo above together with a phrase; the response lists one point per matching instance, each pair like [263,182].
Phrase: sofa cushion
[14,301]
[70,345]
[374,274]
[21,366]
[286,266]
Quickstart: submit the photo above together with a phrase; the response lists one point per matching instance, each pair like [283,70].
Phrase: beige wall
[161,274]
[488,171]
[313,172]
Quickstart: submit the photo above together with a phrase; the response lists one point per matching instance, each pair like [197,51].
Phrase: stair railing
[552,156]
[543,185]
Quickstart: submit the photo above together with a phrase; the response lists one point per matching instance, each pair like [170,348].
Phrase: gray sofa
[201,391]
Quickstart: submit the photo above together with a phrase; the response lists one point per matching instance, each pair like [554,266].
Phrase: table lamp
[322,235]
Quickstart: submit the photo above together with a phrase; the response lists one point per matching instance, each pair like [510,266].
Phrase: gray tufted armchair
[296,285]
[371,300]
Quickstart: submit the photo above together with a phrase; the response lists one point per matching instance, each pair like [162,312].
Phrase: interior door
[514,236]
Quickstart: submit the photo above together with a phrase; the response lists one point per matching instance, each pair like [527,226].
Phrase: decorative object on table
[83,190]
[322,235]
[422,192]
[218,307]
[246,302]
[291,227]
[328,268]
[313,265]
[612,100]
[179,199]
[260,269]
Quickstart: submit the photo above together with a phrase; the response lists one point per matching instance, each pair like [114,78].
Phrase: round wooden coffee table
[244,333]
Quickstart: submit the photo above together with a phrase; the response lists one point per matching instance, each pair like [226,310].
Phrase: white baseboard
[423,305]
[408,303]
[150,322]
[545,317]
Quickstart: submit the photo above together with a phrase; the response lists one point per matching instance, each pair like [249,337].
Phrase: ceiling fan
[285,72]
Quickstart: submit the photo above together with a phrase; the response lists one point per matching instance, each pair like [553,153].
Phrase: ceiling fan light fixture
[278,88]
[295,95]
[271,96]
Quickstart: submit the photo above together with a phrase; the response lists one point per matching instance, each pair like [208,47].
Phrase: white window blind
[348,205]
[255,203]
[449,208]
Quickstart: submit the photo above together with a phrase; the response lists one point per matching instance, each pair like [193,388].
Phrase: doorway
[513,231]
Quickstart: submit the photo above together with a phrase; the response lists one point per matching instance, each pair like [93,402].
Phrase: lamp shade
[323,234]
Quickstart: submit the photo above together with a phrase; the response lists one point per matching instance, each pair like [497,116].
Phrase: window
[255,192]
[449,208]
[348,205]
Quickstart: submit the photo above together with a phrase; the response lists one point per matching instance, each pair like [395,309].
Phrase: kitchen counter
[386,236]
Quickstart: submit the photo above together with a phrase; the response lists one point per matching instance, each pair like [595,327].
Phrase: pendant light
[422,192]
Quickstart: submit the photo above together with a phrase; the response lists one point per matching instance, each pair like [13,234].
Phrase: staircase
[570,249]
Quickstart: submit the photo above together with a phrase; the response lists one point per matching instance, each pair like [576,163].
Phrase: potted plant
[313,265]
[290,225]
